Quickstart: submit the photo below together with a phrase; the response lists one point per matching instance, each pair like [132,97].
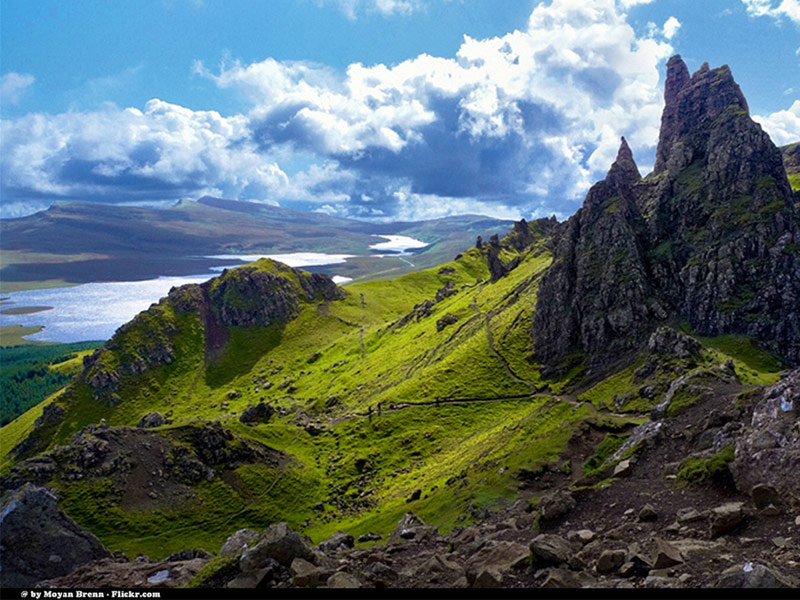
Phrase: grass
[610,444]
[703,471]
[14,335]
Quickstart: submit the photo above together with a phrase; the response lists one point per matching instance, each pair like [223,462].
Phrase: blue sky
[375,109]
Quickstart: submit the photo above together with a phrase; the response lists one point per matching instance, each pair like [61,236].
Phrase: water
[94,311]
[91,311]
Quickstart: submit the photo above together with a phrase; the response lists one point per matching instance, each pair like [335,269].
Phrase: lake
[94,311]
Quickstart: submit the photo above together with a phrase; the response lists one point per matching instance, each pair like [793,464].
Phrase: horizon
[508,111]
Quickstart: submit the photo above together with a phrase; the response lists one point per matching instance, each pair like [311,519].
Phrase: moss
[610,444]
[702,471]
[216,572]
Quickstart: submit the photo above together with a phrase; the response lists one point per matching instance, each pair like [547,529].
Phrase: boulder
[343,580]
[501,556]
[306,574]
[648,513]
[39,541]
[152,419]
[550,549]
[725,517]
[488,578]
[610,560]
[260,413]
[411,528]
[555,506]
[438,569]
[765,495]
[238,542]
[380,574]
[337,542]
[756,575]
[666,555]
[278,542]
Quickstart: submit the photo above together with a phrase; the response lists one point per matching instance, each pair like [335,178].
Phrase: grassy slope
[459,456]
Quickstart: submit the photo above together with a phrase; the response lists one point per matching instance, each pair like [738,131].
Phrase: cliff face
[712,237]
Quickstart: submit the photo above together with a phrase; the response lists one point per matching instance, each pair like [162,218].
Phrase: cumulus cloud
[163,152]
[782,126]
[777,9]
[516,125]
[514,119]
[13,86]
[671,27]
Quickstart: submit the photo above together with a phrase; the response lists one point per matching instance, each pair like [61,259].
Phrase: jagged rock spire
[624,168]
[677,76]
[692,106]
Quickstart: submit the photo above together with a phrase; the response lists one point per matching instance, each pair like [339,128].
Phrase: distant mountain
[80,242]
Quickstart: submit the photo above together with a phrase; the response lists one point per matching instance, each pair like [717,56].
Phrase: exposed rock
[564,578]
[110,573]
[765,495]
[411,527]
[448,319]
[380,574]
[648,513]
[152,419]
[338,541]
[238,542]
[260,413]
[39,541]
[279,543]
[502,556]
[768,451]
[610,560]
[550,549]
[704,238]
[556,505]
[623,468]
[725,517]
[665,555]
[438,569]
[488,578]
[368,537]
[306,574]
[343,580]
[754,575]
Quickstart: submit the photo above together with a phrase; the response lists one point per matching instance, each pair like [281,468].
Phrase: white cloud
[777,9]
[516,125]
[164,151]
[782,126]
[387,8]
[13,86]
[630,3]
[671,27]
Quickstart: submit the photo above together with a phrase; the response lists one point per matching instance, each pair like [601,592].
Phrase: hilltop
[604,402]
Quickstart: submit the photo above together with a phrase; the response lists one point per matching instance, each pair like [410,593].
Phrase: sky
[370,109]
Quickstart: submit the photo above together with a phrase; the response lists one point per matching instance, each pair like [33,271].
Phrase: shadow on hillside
[245,347]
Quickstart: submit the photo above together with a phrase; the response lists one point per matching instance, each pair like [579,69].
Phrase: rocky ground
[643,522]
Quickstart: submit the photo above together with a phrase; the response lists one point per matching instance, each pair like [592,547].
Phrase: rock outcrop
[712,236]
[38,541]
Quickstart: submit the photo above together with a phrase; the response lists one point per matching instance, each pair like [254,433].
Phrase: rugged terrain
[606,402]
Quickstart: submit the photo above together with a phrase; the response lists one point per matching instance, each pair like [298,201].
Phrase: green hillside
[419,393]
